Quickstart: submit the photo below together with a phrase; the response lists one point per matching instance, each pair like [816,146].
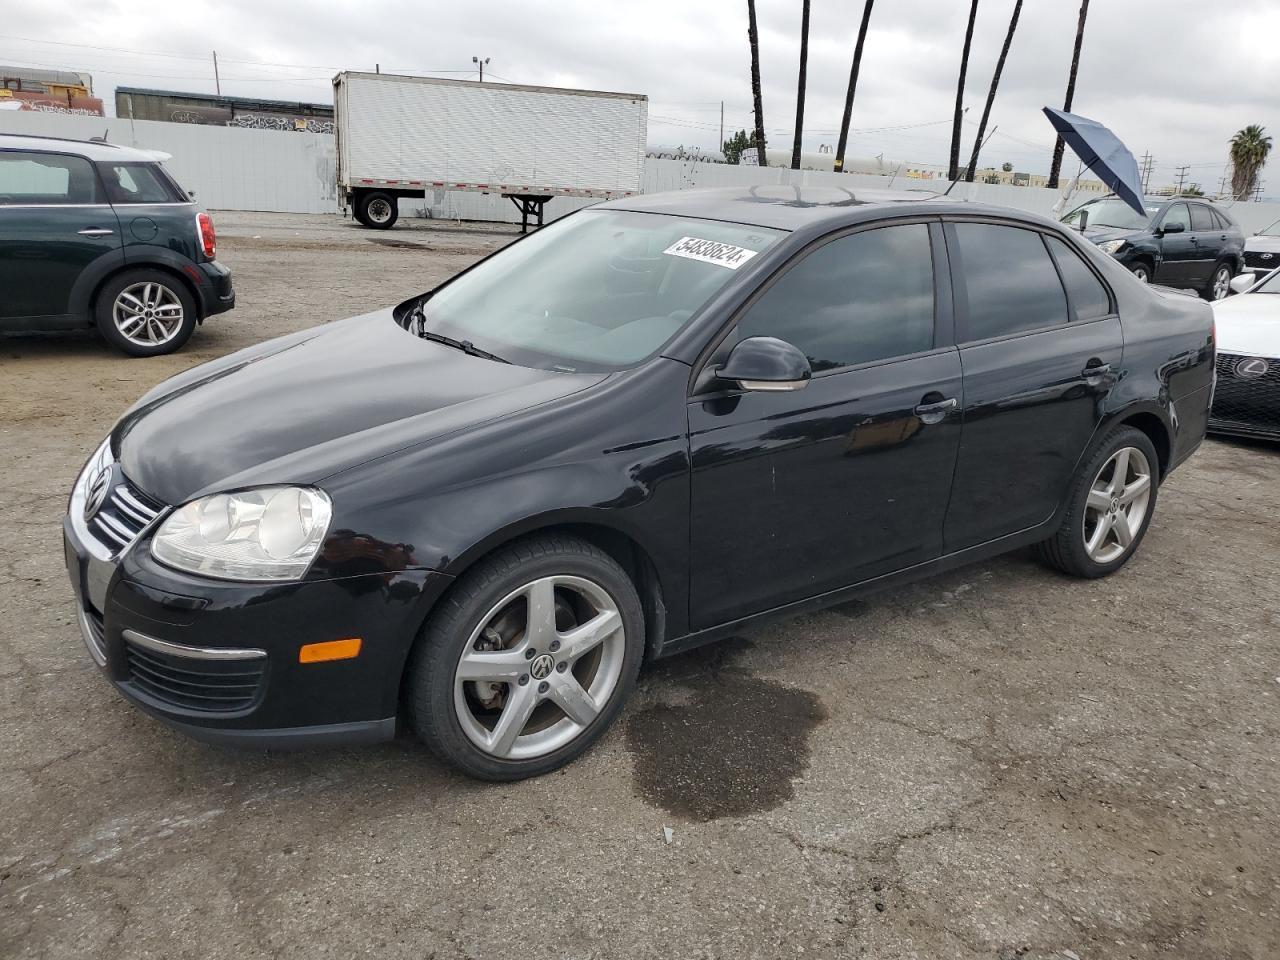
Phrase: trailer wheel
[378,210]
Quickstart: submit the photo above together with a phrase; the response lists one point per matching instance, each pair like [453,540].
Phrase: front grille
[210,686]
[124,514]
[94,633]
[1250,402]
[1266,260]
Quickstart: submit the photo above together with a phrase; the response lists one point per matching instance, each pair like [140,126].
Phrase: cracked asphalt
[997,763]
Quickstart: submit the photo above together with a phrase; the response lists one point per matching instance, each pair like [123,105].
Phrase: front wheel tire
[1112,500]
[1141,272]
[527,660]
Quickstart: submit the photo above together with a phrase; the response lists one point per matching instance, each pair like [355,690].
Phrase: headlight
[270,533]
[1111,246]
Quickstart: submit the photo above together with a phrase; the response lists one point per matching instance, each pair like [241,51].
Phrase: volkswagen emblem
[541,668]
[97,492]
[1251,368]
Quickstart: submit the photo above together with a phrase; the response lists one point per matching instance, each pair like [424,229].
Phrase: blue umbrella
[1103,153]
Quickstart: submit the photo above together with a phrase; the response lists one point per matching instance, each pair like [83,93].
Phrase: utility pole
[721,124]
[217,83]
[480,63]
[1182,177]
[1257,192]
[1147,162]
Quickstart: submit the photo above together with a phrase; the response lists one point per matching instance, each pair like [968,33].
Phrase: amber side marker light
[329,650]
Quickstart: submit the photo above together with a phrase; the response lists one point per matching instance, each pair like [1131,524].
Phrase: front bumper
[216,292]
[1246,403]
[219,661]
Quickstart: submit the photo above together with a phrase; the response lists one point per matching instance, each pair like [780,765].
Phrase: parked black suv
[92,234]
[1179,242]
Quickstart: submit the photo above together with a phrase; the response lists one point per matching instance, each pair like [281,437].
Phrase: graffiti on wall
[268,121]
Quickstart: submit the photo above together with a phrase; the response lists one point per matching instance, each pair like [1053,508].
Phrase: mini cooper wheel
[1219,284]
[527,660]
[145,313]
[1112,500]
[378,210]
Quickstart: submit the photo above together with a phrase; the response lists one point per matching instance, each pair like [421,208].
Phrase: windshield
[598,290]
[1271,231]
[1113,212]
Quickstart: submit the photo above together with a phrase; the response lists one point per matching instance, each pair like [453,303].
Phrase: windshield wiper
[466,346]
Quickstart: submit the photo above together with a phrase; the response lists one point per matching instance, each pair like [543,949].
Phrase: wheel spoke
[1137,488]
[132,300]
[520,704]
[577,704]
[148,295]
[540,627]
[1120,473]
[1124,535]
[496,665]
[1095,542]
[129,325]
[169,308]
[574,643]
[1099,500]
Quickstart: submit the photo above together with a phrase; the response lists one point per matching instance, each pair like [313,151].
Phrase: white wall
[236,169]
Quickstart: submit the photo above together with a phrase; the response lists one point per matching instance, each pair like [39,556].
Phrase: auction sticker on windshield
[710,251]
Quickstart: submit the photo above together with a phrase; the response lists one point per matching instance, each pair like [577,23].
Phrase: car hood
[1263,244]
[310,405]
[1249,323]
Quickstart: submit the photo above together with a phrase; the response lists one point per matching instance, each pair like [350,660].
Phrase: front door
[1037,364]
[796,494]
[54,225]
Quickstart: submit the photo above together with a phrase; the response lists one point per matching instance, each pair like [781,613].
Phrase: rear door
[1208,240]
[795,494]
[1038,356]
[154,211]
[1178,252]
[55,228]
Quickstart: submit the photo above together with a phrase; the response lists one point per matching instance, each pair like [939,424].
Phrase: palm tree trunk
[991,94]
[1056,167]
[753,37]
[804,63]
[853,85]
[954,165]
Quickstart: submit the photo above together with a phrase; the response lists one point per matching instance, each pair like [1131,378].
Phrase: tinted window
[1220,220]
[137,183]
[1177,214]
[1008,280]
[1201,217]
[1088,296]
[864,297]
[27,178]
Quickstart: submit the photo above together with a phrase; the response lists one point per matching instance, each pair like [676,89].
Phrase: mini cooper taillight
[208,239]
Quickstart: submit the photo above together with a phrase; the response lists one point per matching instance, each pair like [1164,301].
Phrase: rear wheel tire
[1219,284]
[378,210]
[145,312]
[1110,506]
[527,660]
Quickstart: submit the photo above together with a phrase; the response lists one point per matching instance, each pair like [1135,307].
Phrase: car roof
[794,207]
[95,150]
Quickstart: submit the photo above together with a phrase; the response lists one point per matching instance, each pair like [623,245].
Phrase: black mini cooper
[96,235]
[644,427]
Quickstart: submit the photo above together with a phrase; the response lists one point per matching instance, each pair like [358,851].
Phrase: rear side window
[864,297]
[1201,217]
[138,183]
[28,178]
[1088,297]
[1007,281]
[1222,220]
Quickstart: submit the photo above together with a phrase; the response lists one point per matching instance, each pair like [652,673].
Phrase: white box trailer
[408,136]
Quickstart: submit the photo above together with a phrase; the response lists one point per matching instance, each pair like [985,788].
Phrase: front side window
[1176,214]
[138,183]
[598,290]
[1201,217]
[1089,298]
[1007,280]
[30,178]
[868,296]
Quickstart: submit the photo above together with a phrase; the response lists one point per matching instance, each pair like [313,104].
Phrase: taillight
[208,240]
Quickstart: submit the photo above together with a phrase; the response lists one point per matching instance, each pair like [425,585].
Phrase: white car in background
[1247,399]
[1262,250]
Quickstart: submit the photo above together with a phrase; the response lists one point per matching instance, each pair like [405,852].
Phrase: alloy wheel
[539,667]
[148,314]
[1119,498]
[1221,283]
[1141,274]
[379,210]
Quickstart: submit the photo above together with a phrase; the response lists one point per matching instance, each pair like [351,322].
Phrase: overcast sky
[1175,77]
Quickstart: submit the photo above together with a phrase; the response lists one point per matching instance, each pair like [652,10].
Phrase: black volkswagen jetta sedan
[642,428]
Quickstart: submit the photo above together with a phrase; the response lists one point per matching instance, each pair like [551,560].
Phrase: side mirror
[766,363]
[1173,228]
[1083,225]
[1243,283]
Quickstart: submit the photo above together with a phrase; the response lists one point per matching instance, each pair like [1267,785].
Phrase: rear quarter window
[139,183]
[1087,295]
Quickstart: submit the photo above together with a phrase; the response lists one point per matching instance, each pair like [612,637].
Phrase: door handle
[95,232]
[936,411]
[1095,368]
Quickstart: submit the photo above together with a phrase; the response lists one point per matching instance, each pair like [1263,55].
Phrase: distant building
[174,106]
[48,91]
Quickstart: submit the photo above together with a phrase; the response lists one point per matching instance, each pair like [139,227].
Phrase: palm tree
[991,94]
[804,62]
[838,166]
[1249,150]
[1056,167]
[954,165]
[753,37]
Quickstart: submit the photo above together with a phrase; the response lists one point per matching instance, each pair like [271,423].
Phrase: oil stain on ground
[733,748]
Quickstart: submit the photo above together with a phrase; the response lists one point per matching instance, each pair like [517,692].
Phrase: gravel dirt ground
[998,763]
